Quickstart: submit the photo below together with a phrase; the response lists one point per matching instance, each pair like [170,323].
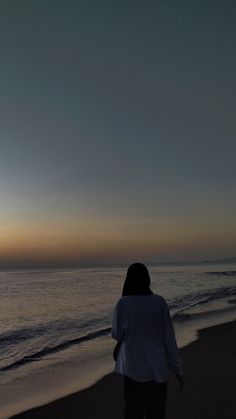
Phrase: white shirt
[148,346]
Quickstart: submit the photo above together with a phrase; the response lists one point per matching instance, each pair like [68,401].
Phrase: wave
[182,317]
[223,273]
[36,356]
[18,335]
[53,327]
[179,308]
[24,337]
[193,299]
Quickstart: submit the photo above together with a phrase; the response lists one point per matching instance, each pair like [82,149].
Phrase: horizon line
[120,264]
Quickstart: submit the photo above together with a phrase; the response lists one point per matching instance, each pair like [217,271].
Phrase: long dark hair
[137,281]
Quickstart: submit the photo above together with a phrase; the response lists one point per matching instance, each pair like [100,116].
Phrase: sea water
[55,324]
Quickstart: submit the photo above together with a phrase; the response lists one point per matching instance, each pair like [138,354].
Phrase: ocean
[55,323]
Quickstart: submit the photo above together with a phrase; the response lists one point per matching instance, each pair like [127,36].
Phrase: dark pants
[144,400]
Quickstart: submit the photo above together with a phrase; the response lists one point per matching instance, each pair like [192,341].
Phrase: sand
[210,390]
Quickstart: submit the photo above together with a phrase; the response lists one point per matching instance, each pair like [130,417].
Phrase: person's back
[147,339]
[146,345]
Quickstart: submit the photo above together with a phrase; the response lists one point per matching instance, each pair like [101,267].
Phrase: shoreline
[210,367]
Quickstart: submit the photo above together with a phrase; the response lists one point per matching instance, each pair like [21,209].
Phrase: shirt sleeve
[117,330]
[172,351]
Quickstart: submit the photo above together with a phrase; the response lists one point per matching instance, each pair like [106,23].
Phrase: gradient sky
[117,131]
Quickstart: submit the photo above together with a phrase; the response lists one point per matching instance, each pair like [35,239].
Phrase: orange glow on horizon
[105,242]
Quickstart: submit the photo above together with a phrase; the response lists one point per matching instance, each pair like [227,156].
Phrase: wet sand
[210,373]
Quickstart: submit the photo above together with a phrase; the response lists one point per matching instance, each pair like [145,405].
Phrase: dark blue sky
[117,130]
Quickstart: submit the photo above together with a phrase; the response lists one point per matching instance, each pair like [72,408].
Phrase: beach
[210,374]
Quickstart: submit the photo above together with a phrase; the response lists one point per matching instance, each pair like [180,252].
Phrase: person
[146,346]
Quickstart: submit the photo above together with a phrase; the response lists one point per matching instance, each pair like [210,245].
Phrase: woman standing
[146,346]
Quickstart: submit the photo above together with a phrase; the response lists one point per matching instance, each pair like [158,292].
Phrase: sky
[117,131]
